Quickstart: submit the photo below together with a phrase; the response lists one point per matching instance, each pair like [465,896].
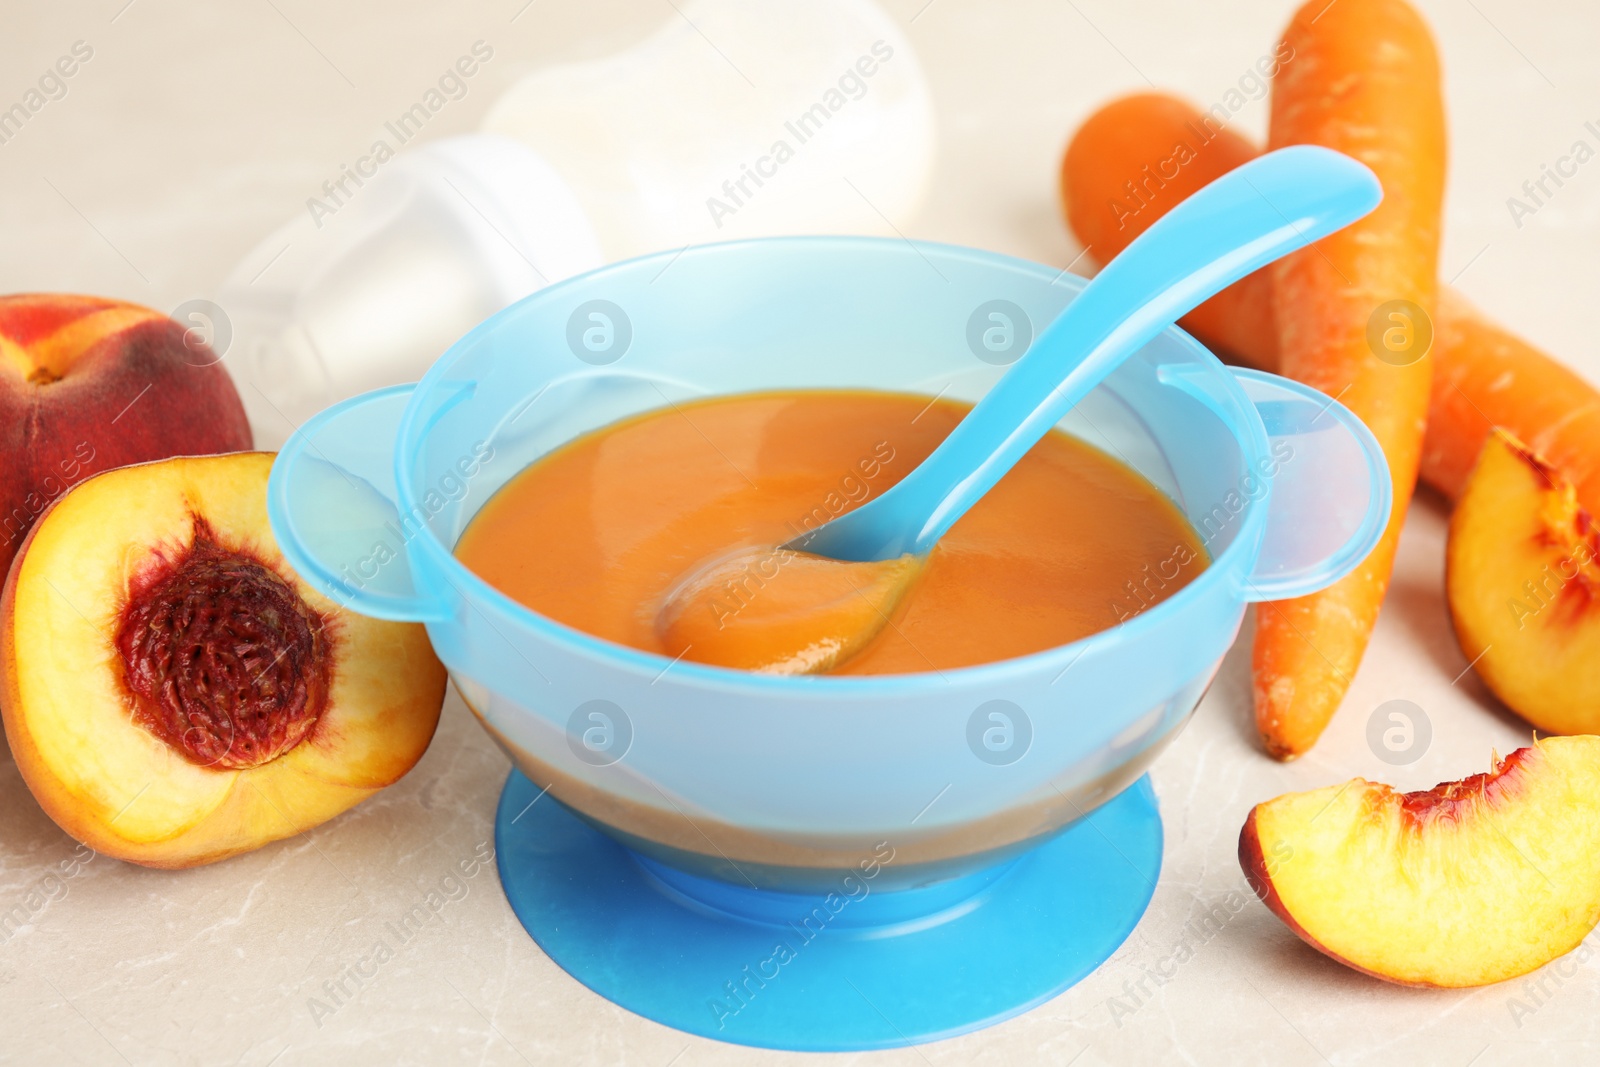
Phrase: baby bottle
[735,118]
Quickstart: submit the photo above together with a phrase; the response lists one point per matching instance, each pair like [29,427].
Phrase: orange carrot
[1131,163]
[1484,376]
[1365,81]
[1488,377]
[1362,78]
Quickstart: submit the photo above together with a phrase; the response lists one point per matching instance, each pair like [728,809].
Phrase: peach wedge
[1522,575]
[1469,883]
[173,693]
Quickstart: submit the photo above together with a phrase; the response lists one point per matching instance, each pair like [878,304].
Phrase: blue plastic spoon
[1244,220]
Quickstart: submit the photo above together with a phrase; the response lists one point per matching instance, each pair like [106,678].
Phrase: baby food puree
[601,534]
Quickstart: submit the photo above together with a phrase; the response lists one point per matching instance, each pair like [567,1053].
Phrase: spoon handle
[1265,209]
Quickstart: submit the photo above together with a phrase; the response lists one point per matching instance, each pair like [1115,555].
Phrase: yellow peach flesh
[1470,883]
[117,785]
[1523,582]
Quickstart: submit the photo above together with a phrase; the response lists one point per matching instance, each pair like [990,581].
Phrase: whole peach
[87,384]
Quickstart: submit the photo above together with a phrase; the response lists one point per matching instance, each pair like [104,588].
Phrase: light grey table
[197,127]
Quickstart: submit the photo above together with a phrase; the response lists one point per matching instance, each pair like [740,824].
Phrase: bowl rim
[472,589]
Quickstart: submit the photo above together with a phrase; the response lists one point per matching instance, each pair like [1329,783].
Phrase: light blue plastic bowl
[969,837]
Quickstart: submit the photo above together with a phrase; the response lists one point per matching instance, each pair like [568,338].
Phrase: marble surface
[197,127]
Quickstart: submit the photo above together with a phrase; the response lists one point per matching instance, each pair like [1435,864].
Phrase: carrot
[1129,164]
[1365,81]
[1487,377]
[1484,376]
[1363,78]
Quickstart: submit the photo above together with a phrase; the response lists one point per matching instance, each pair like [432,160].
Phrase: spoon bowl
[782,611]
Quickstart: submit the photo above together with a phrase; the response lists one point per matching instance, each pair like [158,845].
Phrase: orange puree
[599,533]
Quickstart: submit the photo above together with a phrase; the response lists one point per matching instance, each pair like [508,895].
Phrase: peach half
[1522,574]
[173,693]
[1465,884]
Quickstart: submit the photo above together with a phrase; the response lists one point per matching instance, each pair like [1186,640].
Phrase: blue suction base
[828,979]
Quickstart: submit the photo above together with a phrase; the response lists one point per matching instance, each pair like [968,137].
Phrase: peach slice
[1468,883]
[1522,575]
[173,693]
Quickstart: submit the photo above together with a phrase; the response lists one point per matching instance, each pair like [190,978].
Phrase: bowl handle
[1327,488]
[331,502]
